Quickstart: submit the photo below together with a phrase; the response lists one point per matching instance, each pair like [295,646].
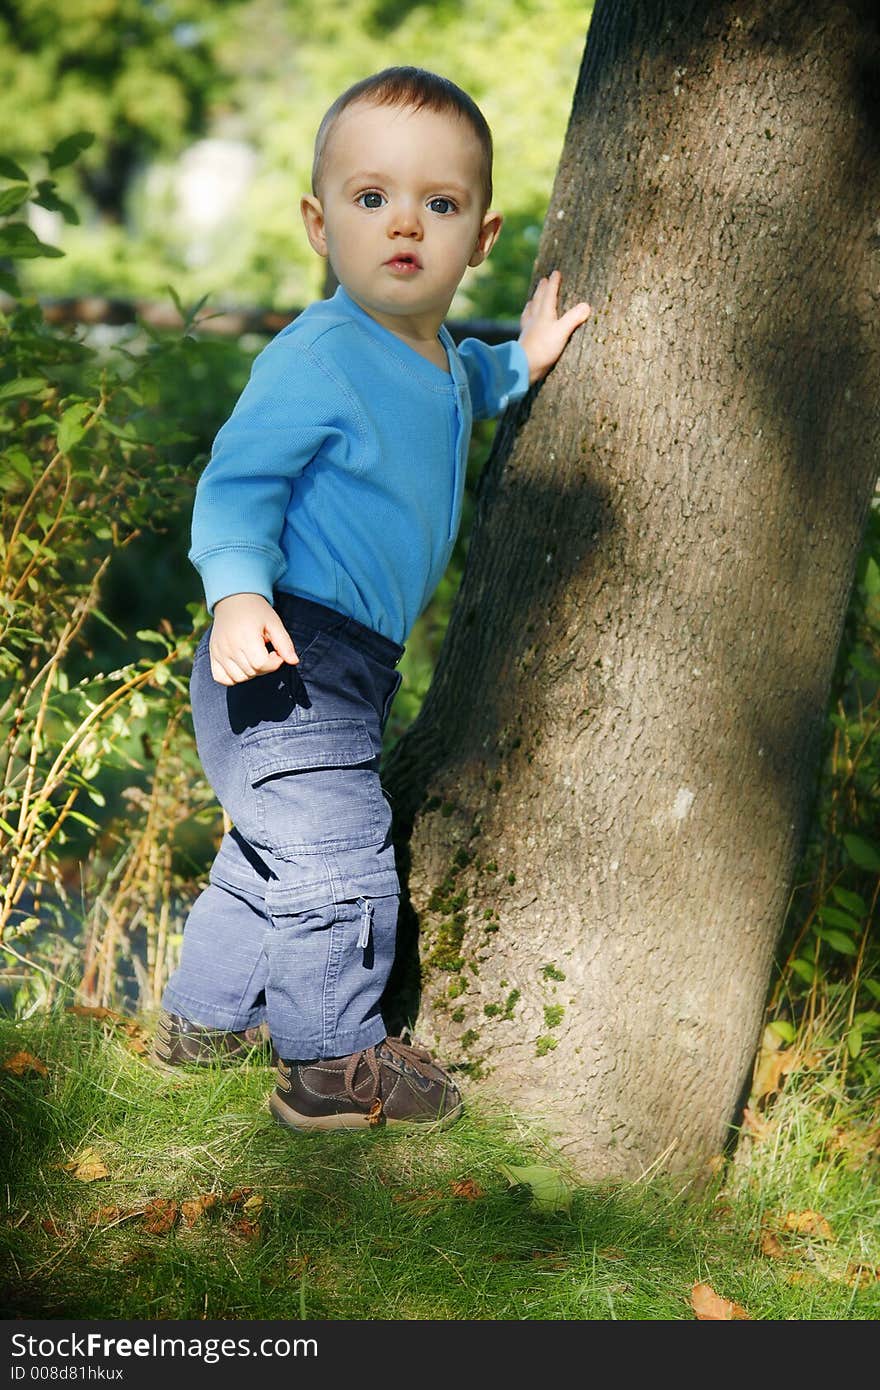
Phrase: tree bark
[602,803]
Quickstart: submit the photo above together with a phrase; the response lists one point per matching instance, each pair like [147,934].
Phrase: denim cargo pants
[297,925]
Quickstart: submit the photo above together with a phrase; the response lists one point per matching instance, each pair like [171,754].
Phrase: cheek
[339,240]
[351,229]
[452,241]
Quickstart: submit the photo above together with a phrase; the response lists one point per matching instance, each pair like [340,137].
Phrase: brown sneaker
[392,1083]
[179,1043]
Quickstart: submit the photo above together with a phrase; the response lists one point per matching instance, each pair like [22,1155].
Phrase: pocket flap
[296,748]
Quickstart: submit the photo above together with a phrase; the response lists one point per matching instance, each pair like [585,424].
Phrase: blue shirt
[340,473]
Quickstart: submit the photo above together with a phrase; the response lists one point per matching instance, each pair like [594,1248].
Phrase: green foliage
[552,972]
[87,467]
[831,955]
[139,76]
[150,80]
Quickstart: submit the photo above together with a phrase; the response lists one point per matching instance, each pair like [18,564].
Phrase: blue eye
[377,204]
[448,206]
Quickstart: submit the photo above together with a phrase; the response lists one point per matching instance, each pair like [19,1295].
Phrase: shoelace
[405,1053]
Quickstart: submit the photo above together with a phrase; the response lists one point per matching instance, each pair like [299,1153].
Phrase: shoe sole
[291,1119]
[192,1067]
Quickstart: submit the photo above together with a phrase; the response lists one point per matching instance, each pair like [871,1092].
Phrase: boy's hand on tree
[543,334]
[243,624]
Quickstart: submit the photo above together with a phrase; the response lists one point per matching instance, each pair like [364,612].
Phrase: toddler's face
[400,213]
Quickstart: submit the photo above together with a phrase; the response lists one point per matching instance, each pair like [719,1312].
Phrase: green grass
[357,1226]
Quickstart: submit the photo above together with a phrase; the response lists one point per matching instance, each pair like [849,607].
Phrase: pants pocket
[316,787]
[307,641]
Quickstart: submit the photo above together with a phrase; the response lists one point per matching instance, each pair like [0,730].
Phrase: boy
[321,527]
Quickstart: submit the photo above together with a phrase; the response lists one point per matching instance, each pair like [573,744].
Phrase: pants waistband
[293,608]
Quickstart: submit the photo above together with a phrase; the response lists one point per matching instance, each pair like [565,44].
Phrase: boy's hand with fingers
[543,333]
[243,624]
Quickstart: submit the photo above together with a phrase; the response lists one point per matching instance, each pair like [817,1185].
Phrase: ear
[486,237]
[313,217]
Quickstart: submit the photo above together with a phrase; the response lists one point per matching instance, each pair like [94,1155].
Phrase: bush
[89,466]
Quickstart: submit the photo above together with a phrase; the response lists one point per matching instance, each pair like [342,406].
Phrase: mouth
[405,262]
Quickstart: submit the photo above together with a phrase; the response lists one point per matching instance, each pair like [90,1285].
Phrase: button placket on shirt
[459,449]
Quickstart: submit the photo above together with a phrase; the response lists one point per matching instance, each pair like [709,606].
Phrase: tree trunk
[603,800]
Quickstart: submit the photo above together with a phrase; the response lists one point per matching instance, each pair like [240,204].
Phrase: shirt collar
[414,361]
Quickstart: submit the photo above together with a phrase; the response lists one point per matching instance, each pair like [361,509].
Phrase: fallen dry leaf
[710,1307]
[468,1189]
[856,1145]
[772,1246]
[51,1227]
[103,1216]
[87,1166]
[771,1069]
[755,1125]
[432,1195]
[248,1230]
[160,1215]
[790,1060]
[21,1062]
[860,1276]
[812,1059]
[768,1066]
[138,1039]
[808,1223]
[774,1062]
[112,1214]
[721,1209]
[237,1195]
[194,1210]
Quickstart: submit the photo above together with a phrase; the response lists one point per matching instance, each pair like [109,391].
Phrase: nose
[405,220]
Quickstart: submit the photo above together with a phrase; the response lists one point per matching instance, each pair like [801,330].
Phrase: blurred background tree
[205,113]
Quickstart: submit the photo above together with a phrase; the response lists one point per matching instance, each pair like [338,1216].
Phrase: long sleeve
[281,420]
[496,375]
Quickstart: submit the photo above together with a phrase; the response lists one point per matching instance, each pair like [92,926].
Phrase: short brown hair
[415,87]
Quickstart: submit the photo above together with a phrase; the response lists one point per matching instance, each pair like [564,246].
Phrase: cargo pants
[297,924]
